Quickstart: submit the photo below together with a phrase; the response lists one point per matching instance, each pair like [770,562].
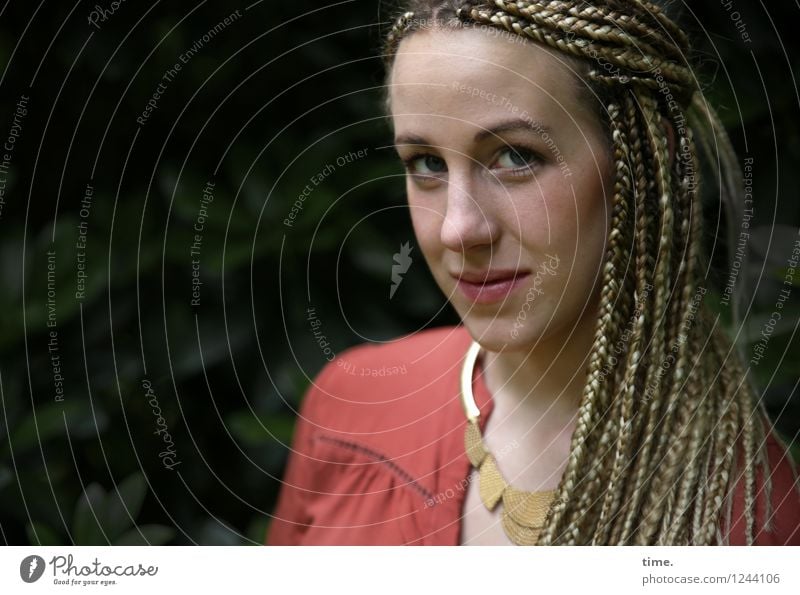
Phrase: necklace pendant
[527,508]
[476,452]
[492,485]
[520,534]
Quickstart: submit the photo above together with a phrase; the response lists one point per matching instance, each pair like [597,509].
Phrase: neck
[546,381]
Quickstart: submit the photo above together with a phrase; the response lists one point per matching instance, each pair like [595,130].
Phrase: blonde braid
[685,172]
[584,38]
[678,529]
[662,284]
[396,33]
[644,286]
[683,341]
[749,479]
[623,188]
[728,415]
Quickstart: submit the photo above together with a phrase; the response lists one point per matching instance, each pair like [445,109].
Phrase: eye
[425,164]
[516,158]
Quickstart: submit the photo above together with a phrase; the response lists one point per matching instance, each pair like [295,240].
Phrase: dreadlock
[667,414]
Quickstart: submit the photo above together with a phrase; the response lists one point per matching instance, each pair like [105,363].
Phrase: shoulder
[379,417]
[374,387]
[777,512]
[783,515]
[420,353]
[382,423]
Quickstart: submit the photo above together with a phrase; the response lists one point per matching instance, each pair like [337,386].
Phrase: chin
[500,335]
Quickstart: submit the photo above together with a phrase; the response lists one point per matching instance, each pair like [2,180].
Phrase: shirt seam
[381,458]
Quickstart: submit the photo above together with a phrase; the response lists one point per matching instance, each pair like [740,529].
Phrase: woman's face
[508,172]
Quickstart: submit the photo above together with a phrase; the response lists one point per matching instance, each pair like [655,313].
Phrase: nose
[469,221]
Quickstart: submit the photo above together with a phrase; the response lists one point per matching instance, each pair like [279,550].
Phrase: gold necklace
[524,513]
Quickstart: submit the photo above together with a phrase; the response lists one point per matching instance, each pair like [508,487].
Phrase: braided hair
[667,425]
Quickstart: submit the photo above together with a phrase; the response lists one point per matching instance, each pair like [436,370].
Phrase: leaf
[254,431]
[41,534]
[47,422]
[124,504]
[38,427]
[147,535]
[5,477]
[257,530]
[217,532]
[88,521]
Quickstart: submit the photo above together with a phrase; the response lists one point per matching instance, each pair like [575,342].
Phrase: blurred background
[200,206]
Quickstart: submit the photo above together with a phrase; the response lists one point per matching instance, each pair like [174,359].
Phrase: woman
[589,397]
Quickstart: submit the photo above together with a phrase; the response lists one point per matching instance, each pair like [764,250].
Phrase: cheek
[585,230]
[595,213]
[561,215]
[566,219]
[427,223]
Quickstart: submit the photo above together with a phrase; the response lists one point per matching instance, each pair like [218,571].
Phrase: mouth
[489,286]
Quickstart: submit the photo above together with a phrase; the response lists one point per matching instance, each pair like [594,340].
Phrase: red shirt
[378,454]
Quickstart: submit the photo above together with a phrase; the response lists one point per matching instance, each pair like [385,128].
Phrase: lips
[489,286]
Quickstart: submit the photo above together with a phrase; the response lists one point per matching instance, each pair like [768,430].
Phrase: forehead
[471,71]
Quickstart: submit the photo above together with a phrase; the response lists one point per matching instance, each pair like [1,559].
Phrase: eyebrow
[496,130]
